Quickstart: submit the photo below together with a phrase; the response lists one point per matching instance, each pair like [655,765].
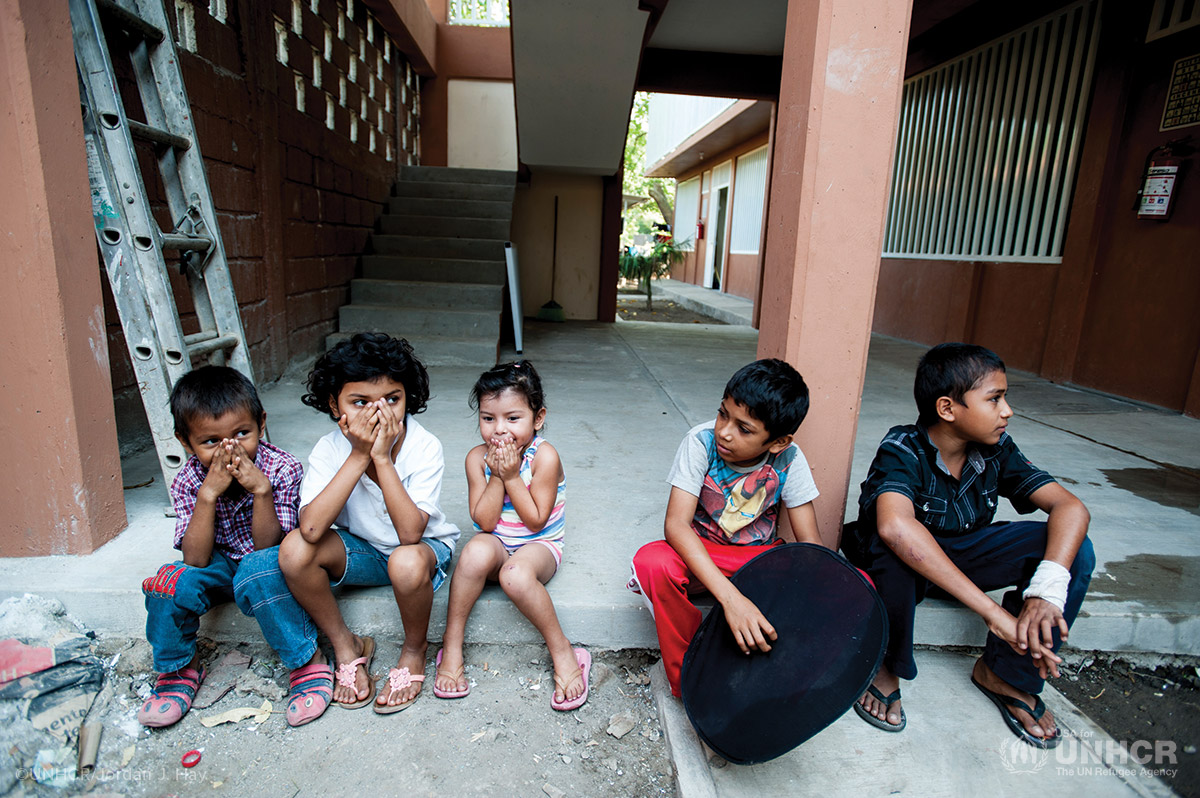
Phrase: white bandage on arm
[1049,583]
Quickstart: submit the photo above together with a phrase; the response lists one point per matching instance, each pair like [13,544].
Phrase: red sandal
[309,694]
[171,699]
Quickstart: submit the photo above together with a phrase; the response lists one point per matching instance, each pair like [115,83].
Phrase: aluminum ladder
[131,243]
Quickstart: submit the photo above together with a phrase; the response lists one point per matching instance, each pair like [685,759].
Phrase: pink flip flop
[347,673]
[585,668]
[398,679]
[458,674]
[309,693]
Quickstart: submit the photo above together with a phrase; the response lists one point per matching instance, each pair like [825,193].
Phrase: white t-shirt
[420,465]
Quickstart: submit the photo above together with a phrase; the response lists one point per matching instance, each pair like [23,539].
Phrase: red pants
[664,582]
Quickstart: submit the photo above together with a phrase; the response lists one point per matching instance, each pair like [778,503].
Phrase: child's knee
[1084,562]
[407,567]
[295,554]
[477,557]
[165,582]
[256,570]
[656,560]
[517,578]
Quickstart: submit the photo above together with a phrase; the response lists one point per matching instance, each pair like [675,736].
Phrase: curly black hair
[363,358]
[519,376]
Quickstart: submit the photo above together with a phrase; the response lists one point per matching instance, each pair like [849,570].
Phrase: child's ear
[333,408]
[945,408]
[780,443]
[262,424]
[539,420]
[183,442]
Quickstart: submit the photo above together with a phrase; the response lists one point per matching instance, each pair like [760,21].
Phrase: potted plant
[646,265]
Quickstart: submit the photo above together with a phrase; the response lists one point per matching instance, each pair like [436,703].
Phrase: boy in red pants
[728,481]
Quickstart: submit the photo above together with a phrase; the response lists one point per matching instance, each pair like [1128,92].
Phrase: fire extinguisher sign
[1156,192]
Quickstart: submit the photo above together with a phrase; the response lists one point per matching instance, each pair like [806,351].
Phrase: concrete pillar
[60,477]
[839,98]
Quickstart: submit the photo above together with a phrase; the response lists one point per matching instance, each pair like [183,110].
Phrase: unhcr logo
[1018,757]
[1080,755]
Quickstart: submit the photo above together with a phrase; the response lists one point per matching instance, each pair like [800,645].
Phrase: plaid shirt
[234,517]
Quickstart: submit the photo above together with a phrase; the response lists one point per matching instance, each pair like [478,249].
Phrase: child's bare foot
[568,674]
[450,672]
[886,683]
[1043,728]
[344,693]
[406,690]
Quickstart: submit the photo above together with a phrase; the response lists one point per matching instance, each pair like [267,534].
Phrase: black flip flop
[887,701]
[1036,712]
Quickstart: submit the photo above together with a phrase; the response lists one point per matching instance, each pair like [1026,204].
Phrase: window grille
[749,188]
[1172,16]
[989,143]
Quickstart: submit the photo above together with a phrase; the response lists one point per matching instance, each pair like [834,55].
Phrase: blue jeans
[261,591]
[1003,554]
[176,597]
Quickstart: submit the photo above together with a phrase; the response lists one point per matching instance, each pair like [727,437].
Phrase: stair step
[443,174]
[432,269]
[439,350]
[496,229]
[449,296]
[439,246]
[463,191]
[484,324]
[432,206]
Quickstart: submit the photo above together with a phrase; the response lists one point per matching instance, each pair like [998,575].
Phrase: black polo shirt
[908,463]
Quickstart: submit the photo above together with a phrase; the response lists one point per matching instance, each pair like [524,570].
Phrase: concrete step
[432,269]
[451,227]
[448,296]
[439,351]
[432,206]
[443,174]
[462,191]
[439,246]
[406,321]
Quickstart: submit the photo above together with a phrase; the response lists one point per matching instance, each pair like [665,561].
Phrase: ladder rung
[130,21]
[157,135]
[185,243]
[204,342]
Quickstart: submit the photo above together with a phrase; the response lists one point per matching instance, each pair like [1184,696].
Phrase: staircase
[435,272]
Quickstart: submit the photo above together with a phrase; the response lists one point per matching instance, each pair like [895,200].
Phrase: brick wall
[303,111]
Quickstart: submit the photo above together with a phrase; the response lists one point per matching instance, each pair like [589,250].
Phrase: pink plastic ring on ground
[190,759]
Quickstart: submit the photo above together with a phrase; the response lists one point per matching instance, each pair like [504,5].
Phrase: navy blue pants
[1004,554]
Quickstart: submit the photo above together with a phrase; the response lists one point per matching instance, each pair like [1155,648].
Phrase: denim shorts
[367,566]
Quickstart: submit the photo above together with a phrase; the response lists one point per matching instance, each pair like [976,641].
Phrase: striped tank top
[510,528]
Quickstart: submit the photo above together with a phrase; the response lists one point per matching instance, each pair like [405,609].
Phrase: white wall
[675,117]
[482,121]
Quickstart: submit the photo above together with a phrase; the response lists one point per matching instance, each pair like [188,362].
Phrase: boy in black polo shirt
[925,521]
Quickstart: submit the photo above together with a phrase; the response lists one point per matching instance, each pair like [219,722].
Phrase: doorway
[718,213]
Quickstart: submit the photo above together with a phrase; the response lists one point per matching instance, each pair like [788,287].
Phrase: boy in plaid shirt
[235,494]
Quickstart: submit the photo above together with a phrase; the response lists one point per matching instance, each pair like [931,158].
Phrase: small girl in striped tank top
[517,491]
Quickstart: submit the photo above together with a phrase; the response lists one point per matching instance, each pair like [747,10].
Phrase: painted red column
[60,477]
[839,100]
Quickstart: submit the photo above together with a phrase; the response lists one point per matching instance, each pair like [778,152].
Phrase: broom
[552,311]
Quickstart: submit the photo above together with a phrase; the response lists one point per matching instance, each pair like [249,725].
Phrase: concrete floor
[620,398]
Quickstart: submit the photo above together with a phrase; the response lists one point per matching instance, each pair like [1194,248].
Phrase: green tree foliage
[643,217]
[648,266]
